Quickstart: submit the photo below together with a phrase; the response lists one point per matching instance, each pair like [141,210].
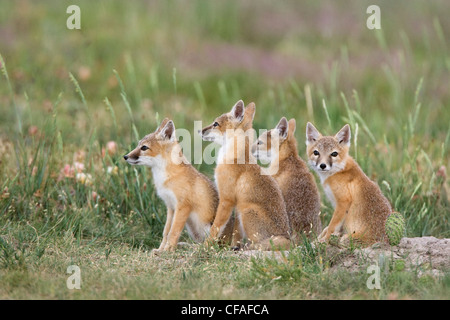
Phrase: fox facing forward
[360,208]
[260,209]
[279,147]
[190,197]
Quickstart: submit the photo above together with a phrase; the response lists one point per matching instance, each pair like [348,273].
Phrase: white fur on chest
[222,154]
[221,158]
[227,151]
[159,178]
[329,194]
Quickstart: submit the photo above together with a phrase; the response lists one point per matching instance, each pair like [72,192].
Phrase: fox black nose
[125,157]
[323,166]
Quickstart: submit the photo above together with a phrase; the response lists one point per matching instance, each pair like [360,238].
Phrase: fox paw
[323,239]
[156,252]
[322,234]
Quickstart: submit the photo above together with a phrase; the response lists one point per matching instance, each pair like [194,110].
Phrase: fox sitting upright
[190,197]
[260,209]
[361,209]
[279,147]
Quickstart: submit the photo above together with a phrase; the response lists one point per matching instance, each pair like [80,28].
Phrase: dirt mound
[424,254]
[427,255]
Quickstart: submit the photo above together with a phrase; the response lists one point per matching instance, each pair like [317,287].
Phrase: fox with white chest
[190,197]
[360,209]
[259,204]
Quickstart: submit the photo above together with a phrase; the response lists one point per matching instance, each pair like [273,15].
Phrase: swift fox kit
[361,209]
[190,197]
[260,209]
[279,147]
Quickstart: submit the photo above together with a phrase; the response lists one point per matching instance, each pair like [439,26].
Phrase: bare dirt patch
[427,255]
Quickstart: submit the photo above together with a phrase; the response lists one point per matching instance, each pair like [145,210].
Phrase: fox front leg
[166,230]
[178,222]
[323,233]
[336,222]
[223,214]
[169,219]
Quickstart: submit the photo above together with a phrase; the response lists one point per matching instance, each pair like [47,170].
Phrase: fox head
[276,142]
[327,154]
[239,117]
[154,146]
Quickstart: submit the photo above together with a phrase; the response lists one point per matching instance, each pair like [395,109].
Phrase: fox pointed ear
[238,110]
[312,134]
[292,126]
[250,110]
[168,132]
[162,125]
[283,128]
[344,135]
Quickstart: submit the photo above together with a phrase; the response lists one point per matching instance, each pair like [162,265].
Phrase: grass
[64,94]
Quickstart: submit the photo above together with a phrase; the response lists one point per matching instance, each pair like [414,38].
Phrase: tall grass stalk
[123,94]
[11,92]
[330,125]
[78,90]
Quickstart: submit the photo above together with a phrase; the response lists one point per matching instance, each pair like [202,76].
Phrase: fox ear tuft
[250,110]
[168,132]
[238,110]
[292,126]
[162,124]
[344,135]
[283,128]
[312,134]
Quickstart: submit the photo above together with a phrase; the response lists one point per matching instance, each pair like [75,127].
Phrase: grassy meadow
[73,102]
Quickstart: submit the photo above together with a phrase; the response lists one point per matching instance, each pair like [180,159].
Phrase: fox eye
[216,124]
[143,148]
[259,142]
[316,153]
[334,154]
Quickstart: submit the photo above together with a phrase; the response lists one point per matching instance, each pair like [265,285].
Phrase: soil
[426,255]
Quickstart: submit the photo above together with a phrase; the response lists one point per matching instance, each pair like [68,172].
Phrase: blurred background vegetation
[64,94]
[72,102]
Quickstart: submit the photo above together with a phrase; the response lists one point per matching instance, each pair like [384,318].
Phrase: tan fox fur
[190,197]
[279,147]
[259,204]
[361,209]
